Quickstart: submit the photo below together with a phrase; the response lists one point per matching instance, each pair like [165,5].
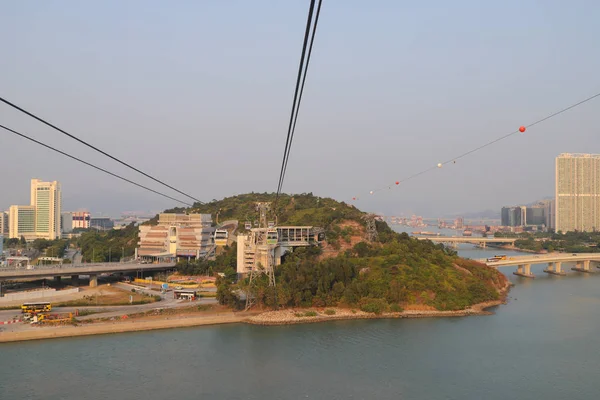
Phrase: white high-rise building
[577,192]
[41,219]
[46,198]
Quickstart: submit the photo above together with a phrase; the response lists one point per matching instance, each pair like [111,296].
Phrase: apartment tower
[577,192]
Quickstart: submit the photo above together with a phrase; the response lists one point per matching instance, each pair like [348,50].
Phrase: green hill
[393,272]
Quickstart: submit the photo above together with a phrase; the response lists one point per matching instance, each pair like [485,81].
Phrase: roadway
[467,239]
[78,269]
[167,301]
[544,258]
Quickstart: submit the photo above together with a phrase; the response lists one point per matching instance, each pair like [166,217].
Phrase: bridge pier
[75,280]
[524,270]
[582,266]
[93,281]
[555,268]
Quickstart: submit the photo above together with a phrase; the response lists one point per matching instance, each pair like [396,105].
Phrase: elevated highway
[482,241]
[74,270]
[581,262]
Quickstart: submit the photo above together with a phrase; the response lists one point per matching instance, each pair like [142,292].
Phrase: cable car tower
[262,241]
[371,231]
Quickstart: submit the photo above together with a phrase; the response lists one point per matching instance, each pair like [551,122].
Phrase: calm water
[545,344]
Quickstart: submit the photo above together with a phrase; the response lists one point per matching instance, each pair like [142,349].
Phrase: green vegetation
[306,314]
[330,312]
[297,209]
[101,246]
[52,248]
[375,277]
[570,242]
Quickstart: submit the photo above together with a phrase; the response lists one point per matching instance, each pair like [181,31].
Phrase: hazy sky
[198,93]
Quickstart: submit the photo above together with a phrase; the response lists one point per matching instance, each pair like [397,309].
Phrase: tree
[23,242]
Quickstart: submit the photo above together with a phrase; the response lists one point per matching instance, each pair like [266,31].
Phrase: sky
[198,94]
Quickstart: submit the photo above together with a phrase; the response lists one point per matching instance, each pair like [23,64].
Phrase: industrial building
[577,192]
[176,236]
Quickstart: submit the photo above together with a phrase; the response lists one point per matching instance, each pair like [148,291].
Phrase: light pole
[123,256]
[109,249]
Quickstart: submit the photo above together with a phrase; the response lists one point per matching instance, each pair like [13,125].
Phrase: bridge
[581,262]
[74,270]
[482,241]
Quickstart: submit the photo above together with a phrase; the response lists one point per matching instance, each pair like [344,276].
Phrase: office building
[4,224]
[513,216]
[536,215]
[41,219]
[176,235]
[577,192]
[46,198]
[22,222]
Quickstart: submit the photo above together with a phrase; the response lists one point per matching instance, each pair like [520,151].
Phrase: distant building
[22,222]
[40,219]
[46,198]
[459,223]
[175,236]
[577,192]
[536,215]
[66,222]
[81,220]
[513,216]
[102,223]
[4,224]
[74,220]
[550,214]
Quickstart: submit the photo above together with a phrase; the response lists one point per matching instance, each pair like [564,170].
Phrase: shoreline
[267,318]
[119,327]
[291,316]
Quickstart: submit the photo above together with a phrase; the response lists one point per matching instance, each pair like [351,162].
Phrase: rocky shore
[311,315]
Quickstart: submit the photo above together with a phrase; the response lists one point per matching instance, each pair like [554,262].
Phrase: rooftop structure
[177,235]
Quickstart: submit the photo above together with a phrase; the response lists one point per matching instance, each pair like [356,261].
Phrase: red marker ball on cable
[522,129]
[397,182]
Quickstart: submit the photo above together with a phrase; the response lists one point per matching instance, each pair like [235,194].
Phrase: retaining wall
[37,294]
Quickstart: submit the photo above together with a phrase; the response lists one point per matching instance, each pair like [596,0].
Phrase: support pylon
[371,231]
[263,257]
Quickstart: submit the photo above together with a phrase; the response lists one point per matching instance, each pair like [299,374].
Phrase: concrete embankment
[119,327]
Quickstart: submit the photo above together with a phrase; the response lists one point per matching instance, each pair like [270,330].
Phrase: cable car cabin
[185,294]
[248,225]
[42,306]
[272,236]
[221,236]
[270,224]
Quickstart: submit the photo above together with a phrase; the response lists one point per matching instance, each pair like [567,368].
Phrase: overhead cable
[453,160]
[296,92]
[312,38]
[95,148]
[92,165]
